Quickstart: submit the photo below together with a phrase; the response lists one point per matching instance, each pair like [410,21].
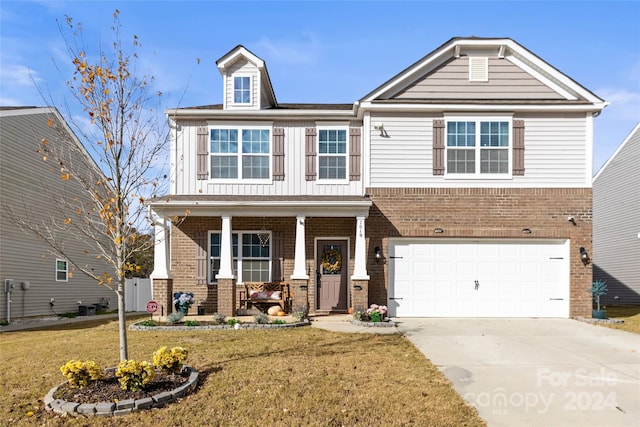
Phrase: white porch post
[161,242]
[299,270]
[360,259]
[226,250]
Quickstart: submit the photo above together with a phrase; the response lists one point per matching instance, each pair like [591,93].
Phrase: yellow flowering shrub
[134,375]
[79,373]
[170,360]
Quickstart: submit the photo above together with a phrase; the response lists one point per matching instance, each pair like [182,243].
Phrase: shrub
[80,374]
[279,322]
[219,319]
[170,361]
[191,323]
[358,315]
[175,317]
[232,322]
[261,319]
[148,323]
[134,375]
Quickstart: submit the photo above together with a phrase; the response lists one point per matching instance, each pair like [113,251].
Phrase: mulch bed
[108,389]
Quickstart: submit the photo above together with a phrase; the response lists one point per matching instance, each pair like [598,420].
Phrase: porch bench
[262,295]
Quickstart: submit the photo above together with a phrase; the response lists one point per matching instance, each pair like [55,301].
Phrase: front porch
[215,249]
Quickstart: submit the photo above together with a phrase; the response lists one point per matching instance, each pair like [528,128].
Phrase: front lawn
[294,377]
[630,315]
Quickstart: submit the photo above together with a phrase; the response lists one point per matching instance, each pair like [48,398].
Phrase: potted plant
[598,288]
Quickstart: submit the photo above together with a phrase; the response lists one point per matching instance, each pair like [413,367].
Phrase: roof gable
[444,75]
[239,53]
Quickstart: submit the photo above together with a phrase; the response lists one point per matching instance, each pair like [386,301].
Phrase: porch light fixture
[357,287]
[378,252]
[438,230]
[584,256]
[572,220]
[526,230]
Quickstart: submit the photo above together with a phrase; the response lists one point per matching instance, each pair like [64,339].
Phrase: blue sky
[327,51]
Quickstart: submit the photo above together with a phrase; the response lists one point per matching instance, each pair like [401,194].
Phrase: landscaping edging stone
[385,324]
[591,320]
[136,327]
[122,407]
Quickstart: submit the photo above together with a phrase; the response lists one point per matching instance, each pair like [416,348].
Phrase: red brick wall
[483,212]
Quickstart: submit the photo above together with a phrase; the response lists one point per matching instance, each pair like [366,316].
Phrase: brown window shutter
[354,153]
[277,256]
[200,239]
[278,154]
[310,154]
[518,147]
[202,153]
[438,147]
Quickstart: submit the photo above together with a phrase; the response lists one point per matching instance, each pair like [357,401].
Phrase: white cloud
[625,104]
[304,52]
[18,75]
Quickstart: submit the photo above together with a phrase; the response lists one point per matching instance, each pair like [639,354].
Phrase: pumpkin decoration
[350,310]
[281,313]
[273,310]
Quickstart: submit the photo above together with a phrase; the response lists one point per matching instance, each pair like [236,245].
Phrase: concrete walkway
[536,372]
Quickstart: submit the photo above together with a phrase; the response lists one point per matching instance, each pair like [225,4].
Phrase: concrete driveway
[536,372]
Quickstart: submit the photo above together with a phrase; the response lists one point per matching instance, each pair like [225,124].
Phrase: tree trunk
[122,322]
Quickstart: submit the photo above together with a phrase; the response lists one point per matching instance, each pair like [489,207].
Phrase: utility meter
[9,285]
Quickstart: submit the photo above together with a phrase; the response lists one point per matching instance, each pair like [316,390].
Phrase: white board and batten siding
[185,182]
[473,278]
[557,150]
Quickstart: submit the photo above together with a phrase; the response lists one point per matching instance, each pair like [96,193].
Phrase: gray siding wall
[506,81]
[27,186]
[616,224]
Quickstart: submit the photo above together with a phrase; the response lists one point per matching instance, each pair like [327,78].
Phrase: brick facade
[406,212]
[484,213]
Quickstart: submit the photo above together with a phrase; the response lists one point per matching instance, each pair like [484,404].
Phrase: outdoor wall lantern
[438,230]
[357,287]
[378,252]
[584,256]
[526,230]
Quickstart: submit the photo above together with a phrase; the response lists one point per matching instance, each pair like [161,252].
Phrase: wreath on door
[331,261]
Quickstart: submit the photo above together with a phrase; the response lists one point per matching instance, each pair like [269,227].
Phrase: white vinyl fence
[137,293]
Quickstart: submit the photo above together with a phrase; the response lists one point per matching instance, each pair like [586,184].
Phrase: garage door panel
[480,278]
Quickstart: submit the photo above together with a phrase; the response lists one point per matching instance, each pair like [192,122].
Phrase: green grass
[294,377]
[630,315]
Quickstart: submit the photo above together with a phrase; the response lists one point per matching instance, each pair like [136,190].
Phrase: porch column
[360,258]
[226,250]
[299,266]
[161,243]
[226,282]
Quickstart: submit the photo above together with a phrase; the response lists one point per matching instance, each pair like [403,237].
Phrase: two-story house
[37,281]
[459,187]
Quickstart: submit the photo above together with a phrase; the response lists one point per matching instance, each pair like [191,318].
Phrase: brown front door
[332,270]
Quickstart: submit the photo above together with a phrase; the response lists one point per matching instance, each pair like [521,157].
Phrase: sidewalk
[334,323]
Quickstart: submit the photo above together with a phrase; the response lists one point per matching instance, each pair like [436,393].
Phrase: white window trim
[233,90]
[477,176]
[238,273]
[66,271]
[328,126]
[239,154]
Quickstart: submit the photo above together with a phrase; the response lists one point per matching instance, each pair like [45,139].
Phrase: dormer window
[242,90]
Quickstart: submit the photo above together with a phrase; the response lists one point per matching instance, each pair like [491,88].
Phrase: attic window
[478,69]
[242,90]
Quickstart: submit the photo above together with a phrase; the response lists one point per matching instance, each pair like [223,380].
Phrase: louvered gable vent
[478,69]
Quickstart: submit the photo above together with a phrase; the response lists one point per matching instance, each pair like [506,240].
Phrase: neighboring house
[29,187]
[616,223]
[460,187]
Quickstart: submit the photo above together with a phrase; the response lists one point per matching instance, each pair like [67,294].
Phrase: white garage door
[486,278]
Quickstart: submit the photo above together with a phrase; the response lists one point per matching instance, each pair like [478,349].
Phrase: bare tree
[125,137]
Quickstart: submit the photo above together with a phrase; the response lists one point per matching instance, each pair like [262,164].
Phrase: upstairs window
[242,90]
[478,147]
[332,154]
[251,259]
[240,153]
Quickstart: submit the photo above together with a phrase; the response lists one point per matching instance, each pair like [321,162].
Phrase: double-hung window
[62,270]
[242,90]
[251,259]
[238,153]
[478,147]
[332,154]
